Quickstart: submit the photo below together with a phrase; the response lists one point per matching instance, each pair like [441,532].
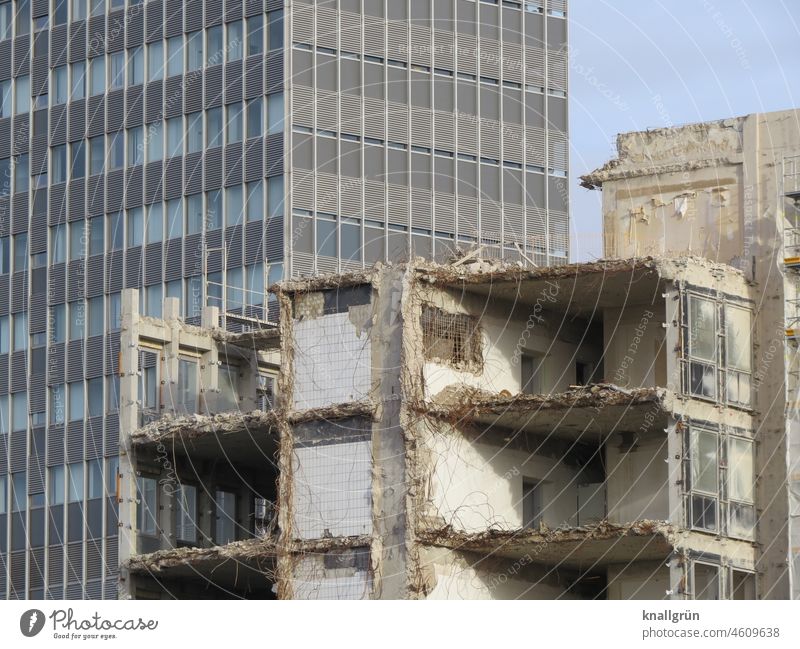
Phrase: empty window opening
[532,370]
[706,581]
[743,585]
[583,373]
[186,514]
[532,503]
[226,517]
[453,338]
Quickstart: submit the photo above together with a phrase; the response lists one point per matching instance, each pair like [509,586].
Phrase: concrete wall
[644,580]
[635,354]
[638,486]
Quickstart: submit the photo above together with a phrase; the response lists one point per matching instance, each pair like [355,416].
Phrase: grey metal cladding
[173,92]
[115,36]
[4,363]
[254,159]
[253,77]
[233,10]
[96,118]
[193,18]
[154,182]
[133,187]
[94,563]
[58,124]
[16,564]
[111,447]
[112,357]
[19,372]
[213,86]
[274,71]
[192,247]
[17,451]
[114,270]
[134,100]
[37,242]
[19,292]
[233,164]
[133,268]
[233,81]
[273,240]
[173,260]
[115,190]
[5,138]
[74,454]
[94,351]
[173,18]
[77,196]
[233,246]
[253,7]
[115,110]
[154,12]
[57,289]
[76,278]
[193,173]
[95,194]
[55,455]
[39,8]
[95,266]
[21,131]
[58,203]
[59,36]
[134,27]
[154,102]
[193,93]
[22,55]
[97,35]
[5,60]
[213,12]
[37,312]
[38,155]
[213,168]
[77,120]
[153,264]
[274,155]
[39,67]
[173,178]
[77,41]
[36,486]
[3,468]
[19,213]
[214,257]
[75,360]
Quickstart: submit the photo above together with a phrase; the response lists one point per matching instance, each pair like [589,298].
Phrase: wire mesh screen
[453,338]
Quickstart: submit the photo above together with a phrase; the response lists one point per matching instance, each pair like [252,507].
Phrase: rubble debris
[193,426]
[248,551]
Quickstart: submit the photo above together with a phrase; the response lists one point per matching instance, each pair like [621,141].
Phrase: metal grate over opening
[453,338]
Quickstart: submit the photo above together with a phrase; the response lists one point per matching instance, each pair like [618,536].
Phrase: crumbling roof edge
[194,426]
[328,281]
[241,551]
[336,411]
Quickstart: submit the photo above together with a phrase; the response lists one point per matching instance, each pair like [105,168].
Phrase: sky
[639,64]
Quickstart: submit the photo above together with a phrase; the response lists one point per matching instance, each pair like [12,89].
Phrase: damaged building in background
[482,430]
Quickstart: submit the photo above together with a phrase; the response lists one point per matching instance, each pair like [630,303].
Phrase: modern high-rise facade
[202,150]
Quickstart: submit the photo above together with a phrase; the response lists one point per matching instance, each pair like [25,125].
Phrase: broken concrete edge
[327,281]
[466,399]
[610,172]
[328,544]
[194,426]
[267,338]
[494,539]
[239,551]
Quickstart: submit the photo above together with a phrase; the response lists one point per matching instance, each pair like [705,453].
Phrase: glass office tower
[203,149]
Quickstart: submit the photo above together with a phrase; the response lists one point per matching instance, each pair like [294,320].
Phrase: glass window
[5,255]
[705,581]
[135,147]
[20,252]
[704,454]
[116,71]
[5,98]
[76,401]
[98,7]
[77,240]
[215,47]
[255,201]
[147,510]
[155,139]
[187,387]
[234,121]
[135,66]
[19,411]
[114,311]
[738,339]
[96,236]
[6,20]
[95,475]
[23,95]
[135,227]
[78,10]
[186,522]
[4,337]
[97,75]
[97,156]
[94,396]
[275,29]
[255,35]
[58,323]
[59,163]
[20,321]
[194,132]
[275,113]
[155,223]
[326,237]
[77,320]
[214,127]
[174,136]
[255,284]
[58,404]
[56,479]
[194,45]
[60,90]
[94,308]
[194,214]
[78,162]
[254,112]
[23,21]
[174,218]
[214,210]
[78,80]
[702,328]
[116,150]
[116,231]
[58,244]
[174,56]
[21,173]
[233,205]
[5,177]
[226,517]
[155,61]
[235,40]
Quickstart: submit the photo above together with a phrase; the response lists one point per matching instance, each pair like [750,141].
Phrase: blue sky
[638,64]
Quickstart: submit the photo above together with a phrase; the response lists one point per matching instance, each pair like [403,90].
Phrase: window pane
[194,132]
[186,523]
[96,155]
[135,147]
[275,26]
[255,201]
[226,517]
[135,227]
[96,238]
[76,401]
[704,461]
[155,223]
[75,482]
[234,122]
[78,80]
[23,94]
[60,86]
[235,44]
[254,118]
[215,47]
[78,160]
[148,507]
[174,218]
[174,55]
[155,140]
[174,136]
[194,44]
[741,476]
[56,478]
[702,329]
[116,72]
[738,342]
[233,205]
[214,130]
[95,316]
[97,75]
[255,35]
[155,61]
[135,66]
[275,113]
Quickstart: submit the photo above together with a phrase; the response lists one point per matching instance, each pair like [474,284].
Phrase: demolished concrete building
[480,430]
